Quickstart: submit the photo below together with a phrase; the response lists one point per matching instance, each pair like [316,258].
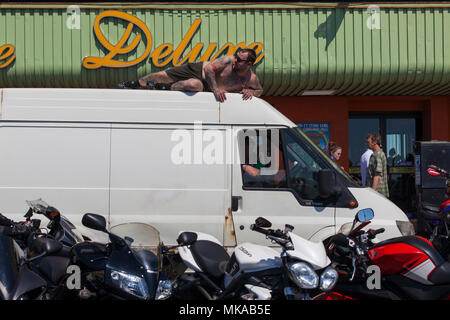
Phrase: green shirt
[378,166]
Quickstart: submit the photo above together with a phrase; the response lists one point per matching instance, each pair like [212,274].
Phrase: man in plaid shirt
[377,171]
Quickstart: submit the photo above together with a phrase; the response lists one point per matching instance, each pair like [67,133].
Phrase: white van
[174,160]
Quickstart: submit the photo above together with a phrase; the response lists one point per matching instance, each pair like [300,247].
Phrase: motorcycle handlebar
[269,232]
[373,233]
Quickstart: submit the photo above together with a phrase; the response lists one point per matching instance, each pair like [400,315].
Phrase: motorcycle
[403,268]
[20,251]
[253,272]
[59,227]
[117,271]
[438,218]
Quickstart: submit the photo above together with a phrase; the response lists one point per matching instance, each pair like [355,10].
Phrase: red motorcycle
[438,218]
[403,268]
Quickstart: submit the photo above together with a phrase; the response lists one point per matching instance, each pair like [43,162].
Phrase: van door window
[262,160]
[303,168]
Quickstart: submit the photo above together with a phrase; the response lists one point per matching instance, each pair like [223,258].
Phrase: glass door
[398,132]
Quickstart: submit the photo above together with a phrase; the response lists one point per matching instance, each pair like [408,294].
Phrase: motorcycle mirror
[262,223]
[52,213]
[288,228]
[433,172]
[365,215]
[94,221]
[29,214]
[187,238]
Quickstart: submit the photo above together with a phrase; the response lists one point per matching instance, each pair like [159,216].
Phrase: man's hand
[251,170]
[220,95]
[247,94]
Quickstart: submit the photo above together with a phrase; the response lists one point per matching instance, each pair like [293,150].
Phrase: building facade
[338,70]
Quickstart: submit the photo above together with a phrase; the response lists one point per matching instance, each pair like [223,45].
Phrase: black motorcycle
[117,271]
[21,252]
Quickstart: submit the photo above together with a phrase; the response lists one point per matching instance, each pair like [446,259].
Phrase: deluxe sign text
[163,54]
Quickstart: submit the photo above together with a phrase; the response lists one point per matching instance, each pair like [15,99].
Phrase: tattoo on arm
[256,87]
[214,67]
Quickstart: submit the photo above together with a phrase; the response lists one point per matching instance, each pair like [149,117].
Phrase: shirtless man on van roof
[226,74]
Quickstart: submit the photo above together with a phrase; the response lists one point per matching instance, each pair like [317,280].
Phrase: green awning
[344,49]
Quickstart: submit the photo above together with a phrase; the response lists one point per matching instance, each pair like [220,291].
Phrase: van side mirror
[327,184]
[365,215]
[186,238]
[94,221]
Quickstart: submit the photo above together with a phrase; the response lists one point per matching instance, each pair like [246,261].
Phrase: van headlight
[164,290]
[303,275]
[131,284]
[406,228]
[328,279]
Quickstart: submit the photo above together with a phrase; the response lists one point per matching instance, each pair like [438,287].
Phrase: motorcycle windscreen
[143,235]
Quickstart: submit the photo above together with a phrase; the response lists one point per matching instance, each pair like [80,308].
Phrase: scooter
[253,272]
[403,268]
[117,271]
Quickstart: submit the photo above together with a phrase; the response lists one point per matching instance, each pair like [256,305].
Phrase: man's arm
[253,89]
[210,75]
[376,180]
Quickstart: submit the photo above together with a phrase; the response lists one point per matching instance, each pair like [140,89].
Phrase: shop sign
[318,132]
[163,54]
[7,55]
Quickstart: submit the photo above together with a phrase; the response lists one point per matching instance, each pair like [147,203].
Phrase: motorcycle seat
[431,207]
[210,256]
[54,268]
[441,275]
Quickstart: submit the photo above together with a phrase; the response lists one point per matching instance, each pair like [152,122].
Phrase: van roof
[139,106]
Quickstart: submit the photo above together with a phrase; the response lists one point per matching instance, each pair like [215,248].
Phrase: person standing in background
[364,164]
[334,151]
[377,171]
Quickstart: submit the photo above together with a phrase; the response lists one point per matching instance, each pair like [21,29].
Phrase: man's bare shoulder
[254,80]
[222,62]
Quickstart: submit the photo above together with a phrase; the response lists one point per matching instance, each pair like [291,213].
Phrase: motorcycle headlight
[303,275]
[406,228]
[328,279]
[131,284]
[164,290]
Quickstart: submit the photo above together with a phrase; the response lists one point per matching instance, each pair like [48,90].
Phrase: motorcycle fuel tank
[252,257]
[411,256]
[91,255]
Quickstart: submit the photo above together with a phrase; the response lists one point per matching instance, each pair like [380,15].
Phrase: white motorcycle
[254,272]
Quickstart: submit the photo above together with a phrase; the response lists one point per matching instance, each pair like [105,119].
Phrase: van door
[171,177]
[277,179]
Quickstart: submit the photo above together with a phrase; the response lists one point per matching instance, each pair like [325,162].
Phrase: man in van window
[268,171]
[377,171]
[225,74]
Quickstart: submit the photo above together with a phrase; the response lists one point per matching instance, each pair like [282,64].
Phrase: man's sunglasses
[240,60]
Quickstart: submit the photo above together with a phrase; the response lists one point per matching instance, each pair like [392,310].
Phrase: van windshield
[326,158]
